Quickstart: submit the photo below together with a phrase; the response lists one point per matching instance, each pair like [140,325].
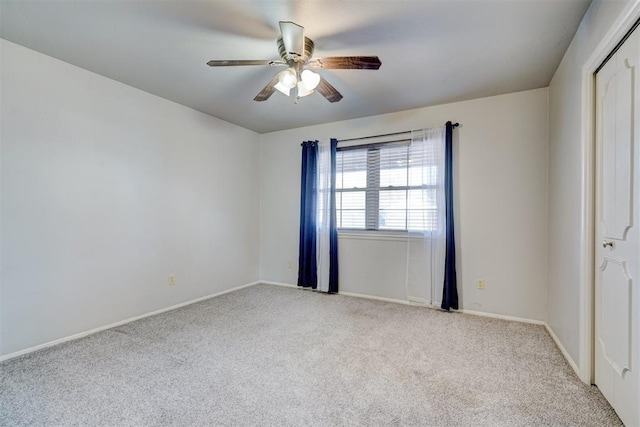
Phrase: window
[378,187]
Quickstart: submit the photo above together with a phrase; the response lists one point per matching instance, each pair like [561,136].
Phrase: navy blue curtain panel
[450,290]
[307,267]
[333,236]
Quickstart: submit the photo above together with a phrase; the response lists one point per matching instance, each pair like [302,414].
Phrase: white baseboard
[420,303]
[502,316]
[286,285]
[436,305]
[348,294]
[373,297]
[563,350]
[119,323]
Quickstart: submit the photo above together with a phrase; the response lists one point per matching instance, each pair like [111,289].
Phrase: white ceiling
[432,52]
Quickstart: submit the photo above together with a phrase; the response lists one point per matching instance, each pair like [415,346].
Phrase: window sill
[393,236]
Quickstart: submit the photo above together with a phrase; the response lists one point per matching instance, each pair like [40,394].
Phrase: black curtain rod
[375,144]
[455,125]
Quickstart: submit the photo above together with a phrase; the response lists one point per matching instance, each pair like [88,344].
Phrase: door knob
[605,244]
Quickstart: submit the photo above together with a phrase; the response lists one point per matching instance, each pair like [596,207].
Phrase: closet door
[617,255]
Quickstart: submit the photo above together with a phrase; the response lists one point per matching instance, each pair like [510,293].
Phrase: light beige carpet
[277,356]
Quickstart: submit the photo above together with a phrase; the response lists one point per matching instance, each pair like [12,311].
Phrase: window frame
[373,189]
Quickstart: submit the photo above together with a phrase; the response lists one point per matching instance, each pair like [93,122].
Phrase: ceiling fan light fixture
[310,79]
[287,80]
[296,52]
[307,83]
[303,90]
[282,89]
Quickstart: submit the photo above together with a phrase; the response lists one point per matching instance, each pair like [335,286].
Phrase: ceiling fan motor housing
[293,57]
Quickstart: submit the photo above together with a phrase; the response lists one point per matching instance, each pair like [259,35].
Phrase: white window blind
[377,188]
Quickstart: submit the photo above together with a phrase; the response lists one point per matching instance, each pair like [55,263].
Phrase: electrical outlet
[290,264]
[480,283]
[172,280]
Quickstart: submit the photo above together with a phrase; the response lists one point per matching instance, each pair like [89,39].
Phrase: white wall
[565,174]
[106,190]
[501,204]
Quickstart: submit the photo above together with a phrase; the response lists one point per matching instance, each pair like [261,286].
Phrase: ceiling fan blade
[325,89]
[347,63]
[292,37]
[267,91]
[233,62]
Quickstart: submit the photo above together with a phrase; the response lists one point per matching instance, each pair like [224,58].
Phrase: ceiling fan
[296,53]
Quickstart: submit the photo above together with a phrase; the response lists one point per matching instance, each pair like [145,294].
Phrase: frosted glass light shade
[310,79]
[281,88]
[303,90]
[287,80]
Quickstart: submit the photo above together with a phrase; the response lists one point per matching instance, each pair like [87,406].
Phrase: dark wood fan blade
[267,91]
[347,63]
[233,62]
[325,89]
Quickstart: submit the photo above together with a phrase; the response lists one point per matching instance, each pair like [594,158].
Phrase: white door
[617,255]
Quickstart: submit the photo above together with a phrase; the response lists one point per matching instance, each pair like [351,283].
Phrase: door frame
[618,30]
